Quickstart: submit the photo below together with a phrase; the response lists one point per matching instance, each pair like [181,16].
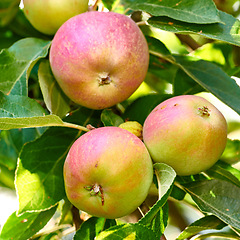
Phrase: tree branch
[189,41]
[76,217]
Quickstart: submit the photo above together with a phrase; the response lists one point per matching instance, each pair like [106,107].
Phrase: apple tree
[185,48]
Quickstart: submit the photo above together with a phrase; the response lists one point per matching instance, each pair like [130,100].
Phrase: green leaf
[108,4]
[163,70]
[193,11]
[11,143]
[39,176]
[178,193]
[51,236]
[109,118]
[23,112]
[226,31]
[191,178]
[54,98]
[15,106]
[7,177]
[184,84]
[7,37]
[127,231]
[17,61]
[65,209]
[29,122]
[8,154]
[220,165]
[219,235]
[156,45]
[158,66]
[219,172]
[231,153]
[166,176]
[92,227]
[21,136]
[26,225]
[159,223]
[205,223]
[8,10]
[212,78]
[165,179]
[221,198]
[141,107]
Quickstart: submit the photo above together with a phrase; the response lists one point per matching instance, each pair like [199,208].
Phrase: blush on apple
[99,58]
[186,132]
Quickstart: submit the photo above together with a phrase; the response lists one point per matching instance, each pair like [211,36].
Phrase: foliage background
[194,49]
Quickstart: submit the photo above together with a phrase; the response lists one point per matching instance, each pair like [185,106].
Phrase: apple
[133,127]
[186,132]
[99,58]
[48,15]
[108,172]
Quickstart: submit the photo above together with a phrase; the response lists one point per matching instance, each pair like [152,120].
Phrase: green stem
[167,58]
[159,187]
[142,23]
[71,125]
[172,60]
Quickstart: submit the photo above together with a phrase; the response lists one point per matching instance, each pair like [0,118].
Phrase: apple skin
[48,15]
[186,132]
[99,58]
[114,159]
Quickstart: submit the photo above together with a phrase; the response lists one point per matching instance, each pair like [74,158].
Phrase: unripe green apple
[108,172]
[186,132]
[133,127]
[48,15]
[99,58]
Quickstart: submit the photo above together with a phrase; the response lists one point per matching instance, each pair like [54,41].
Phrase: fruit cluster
[99,59]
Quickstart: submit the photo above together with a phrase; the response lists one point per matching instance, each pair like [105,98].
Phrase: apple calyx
[96,190]
[205,111]
[104,80]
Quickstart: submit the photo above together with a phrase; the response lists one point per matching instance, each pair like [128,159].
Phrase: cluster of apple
[99,59]
[108,171]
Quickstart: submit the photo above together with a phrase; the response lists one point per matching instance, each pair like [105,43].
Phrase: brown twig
[76,217]
[163,237]
[189,41]
[93,7]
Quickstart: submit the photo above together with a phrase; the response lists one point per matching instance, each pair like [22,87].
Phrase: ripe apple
[99,58]
[186,132]
[108,172]
[48,15]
